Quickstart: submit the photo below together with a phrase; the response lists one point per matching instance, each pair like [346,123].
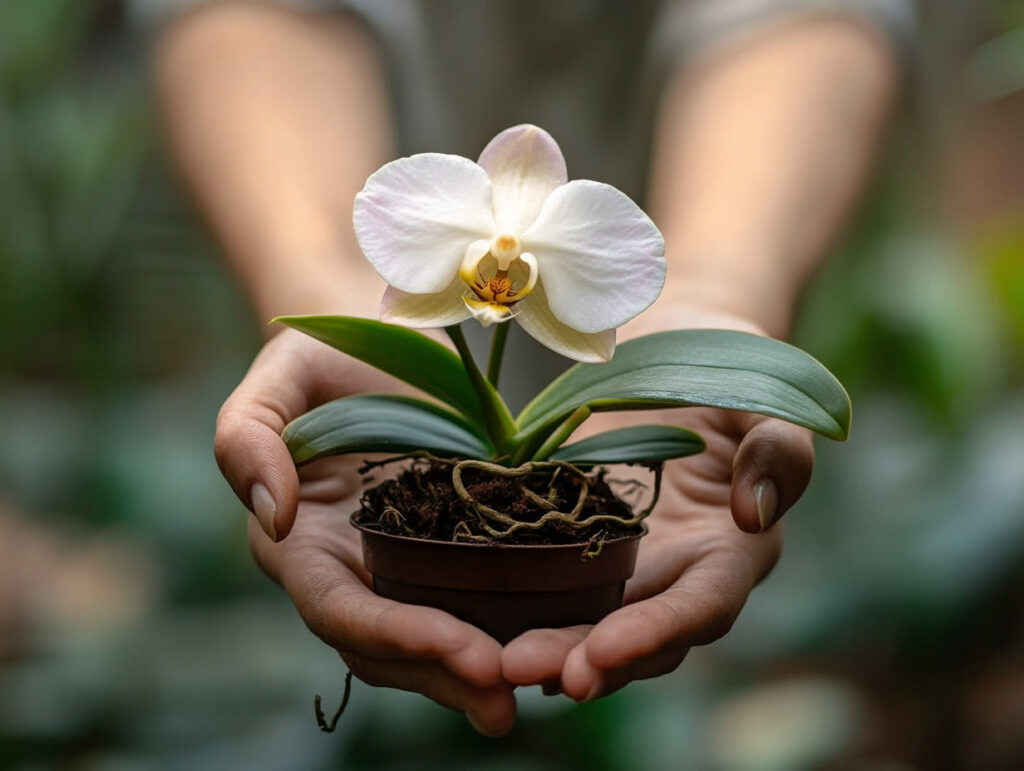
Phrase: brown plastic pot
[502,589]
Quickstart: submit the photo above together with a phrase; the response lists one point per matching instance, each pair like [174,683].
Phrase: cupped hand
[301,537]
[712,539]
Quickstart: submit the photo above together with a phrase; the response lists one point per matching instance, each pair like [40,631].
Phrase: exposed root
[546,504]
[464,533]
[552,489]
[320,720]
[629,487]
[484,502]
[594,546]
[500,525]
[394,517]
[418,455]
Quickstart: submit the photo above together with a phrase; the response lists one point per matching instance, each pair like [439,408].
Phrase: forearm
[276,119]
[760,154]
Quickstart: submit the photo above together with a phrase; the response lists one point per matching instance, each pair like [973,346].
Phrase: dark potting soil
[422,502]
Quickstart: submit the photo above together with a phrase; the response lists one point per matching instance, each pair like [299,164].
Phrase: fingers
[348,616]
[582,681]
[248,446]
[557,660]
[491,710]
[771,470]
[392,644]
[651,637]
[256,463]
[537,657]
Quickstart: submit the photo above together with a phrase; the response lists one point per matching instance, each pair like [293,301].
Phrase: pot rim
[472,544]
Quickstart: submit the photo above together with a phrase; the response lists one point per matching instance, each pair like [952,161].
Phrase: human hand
[301,538]
[711,541]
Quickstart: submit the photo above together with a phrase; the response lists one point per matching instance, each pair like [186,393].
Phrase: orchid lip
[488,313]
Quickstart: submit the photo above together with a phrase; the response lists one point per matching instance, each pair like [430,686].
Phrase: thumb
[248,445]
[255,462]
[770,472]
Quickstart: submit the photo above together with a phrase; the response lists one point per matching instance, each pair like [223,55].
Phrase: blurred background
[135,631]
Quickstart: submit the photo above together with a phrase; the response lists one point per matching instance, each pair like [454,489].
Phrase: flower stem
[498,420]
[497,352]
[563,432]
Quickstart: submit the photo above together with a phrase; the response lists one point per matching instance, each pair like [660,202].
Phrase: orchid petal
[536,318]
[525,165]
[415,217]
[602,260]
[425,311]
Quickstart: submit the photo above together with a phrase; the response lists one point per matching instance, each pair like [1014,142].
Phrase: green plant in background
[72,162]
[97,257]
[1003,248]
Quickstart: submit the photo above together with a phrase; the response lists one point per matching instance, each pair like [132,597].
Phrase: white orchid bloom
[509,237]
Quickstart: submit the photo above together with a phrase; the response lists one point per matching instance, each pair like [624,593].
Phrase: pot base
[506,615]
[502,589]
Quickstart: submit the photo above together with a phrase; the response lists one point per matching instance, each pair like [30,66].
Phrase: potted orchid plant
[498,518]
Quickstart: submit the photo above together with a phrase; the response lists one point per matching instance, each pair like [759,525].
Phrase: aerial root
[320,720]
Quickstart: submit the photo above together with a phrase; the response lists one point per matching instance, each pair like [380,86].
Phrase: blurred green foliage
[108,388]
[900,308]
[1003,251]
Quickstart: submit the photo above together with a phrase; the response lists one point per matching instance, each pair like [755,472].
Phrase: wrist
[705,305]
[323,282]
[728,295]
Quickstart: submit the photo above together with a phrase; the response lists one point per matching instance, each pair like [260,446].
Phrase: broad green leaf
[381,423]
[635,444]
[700,367]
[403,353]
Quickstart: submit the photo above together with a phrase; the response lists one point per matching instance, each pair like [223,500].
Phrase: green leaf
[381,423]
[407,355]
[699,367]
[635,444]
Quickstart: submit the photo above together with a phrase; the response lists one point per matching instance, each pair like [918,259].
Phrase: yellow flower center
[497,288]
[500,277]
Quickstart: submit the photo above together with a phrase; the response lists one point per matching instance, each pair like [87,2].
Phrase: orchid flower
[509,237]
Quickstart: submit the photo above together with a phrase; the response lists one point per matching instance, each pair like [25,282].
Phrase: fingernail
[766,495]
[473,722]
[595,690]
[264,508]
